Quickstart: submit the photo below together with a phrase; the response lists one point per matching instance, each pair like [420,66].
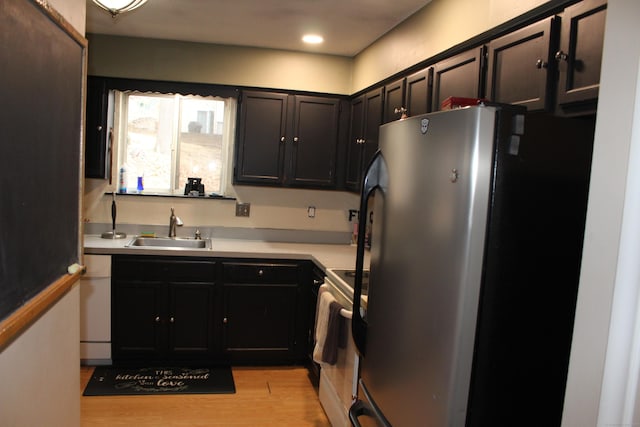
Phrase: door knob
[541,64]
[561,56]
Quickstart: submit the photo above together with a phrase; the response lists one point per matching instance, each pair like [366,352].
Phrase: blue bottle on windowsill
[140,185]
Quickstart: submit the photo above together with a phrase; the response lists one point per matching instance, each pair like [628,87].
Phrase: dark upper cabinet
[580,55]
[394,100]
[97,130]
[315,142]
[366,118]
[262,133]
[461,76]
[410,95]
[354,146]
[287,140]
[418,92]
[521,66]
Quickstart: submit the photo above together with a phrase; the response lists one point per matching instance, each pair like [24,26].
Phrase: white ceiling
[348,26]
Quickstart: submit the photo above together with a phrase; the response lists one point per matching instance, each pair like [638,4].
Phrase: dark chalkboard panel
[41,90]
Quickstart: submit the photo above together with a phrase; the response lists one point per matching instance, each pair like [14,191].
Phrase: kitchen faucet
[174,222]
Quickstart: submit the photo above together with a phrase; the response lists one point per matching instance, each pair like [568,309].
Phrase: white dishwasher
[338,382]
[95,311]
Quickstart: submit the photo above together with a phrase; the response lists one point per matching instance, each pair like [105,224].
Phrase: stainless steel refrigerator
[478,223]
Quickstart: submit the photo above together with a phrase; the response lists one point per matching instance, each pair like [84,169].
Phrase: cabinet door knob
[171,320]
[541,64]
[99,128]
[225,321]
[157,319]
[260,272]
[282,139]
[295,139]
[561,56]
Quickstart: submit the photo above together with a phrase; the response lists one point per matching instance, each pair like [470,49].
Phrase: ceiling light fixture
[312,39]
[116,7]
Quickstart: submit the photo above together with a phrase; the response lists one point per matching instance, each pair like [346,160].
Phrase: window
[165,139]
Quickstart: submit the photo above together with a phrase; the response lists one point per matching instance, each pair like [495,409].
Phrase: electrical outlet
[243,209]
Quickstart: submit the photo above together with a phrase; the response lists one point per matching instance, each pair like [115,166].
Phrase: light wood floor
[279,396]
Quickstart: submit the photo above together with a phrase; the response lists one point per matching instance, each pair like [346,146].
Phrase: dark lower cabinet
[138,328]
[163,309]
[258,321]
[191,318]
[264,312]
[177,309]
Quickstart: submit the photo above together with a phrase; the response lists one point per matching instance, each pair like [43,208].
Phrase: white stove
[339,382]
[345,278]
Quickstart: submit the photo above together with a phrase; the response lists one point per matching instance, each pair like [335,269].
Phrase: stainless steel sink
[170,243]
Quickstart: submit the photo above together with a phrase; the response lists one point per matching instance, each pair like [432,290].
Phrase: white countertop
[324,255]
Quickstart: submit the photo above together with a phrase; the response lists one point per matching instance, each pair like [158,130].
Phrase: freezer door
[426,262]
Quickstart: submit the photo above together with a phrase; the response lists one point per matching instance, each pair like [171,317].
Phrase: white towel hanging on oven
[322,322]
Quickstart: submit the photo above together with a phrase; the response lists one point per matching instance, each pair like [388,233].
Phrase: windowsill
[180,196]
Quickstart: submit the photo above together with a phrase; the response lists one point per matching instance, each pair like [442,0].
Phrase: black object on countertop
[113,234]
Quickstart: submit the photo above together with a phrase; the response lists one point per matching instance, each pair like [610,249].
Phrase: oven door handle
[376,178]
[347,314]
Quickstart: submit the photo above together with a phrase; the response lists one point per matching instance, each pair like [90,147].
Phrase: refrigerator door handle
[357,409]
[365,408]
[376,178]
[361,409]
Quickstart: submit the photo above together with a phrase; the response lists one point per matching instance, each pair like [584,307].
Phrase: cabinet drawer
[192,271]
[139,269]
[163,269]
[260,273]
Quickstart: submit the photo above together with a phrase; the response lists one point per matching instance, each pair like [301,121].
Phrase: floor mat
[113,381]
